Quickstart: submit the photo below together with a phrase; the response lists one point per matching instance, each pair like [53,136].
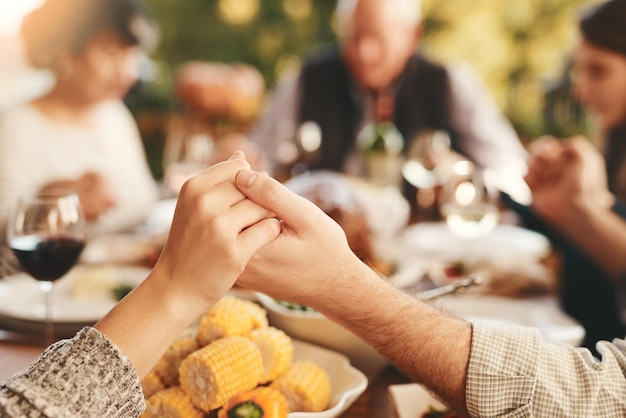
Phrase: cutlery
[458,286]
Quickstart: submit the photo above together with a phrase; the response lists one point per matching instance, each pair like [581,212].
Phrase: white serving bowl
[346,382]
[315,328]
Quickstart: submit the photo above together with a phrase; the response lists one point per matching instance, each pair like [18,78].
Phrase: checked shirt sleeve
[514,373]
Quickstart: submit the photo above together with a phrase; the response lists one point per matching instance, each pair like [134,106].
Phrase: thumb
[272,195]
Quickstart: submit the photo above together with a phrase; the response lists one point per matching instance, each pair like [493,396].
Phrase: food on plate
[230,316]
[151,384]
[208,376]
[169,363]
[519,277]
[455,269]
[295,306]
[121,290]
[171,403]
[94,280]
[216,372]
[305,385]
[337,197]
[262,402]
[276,349]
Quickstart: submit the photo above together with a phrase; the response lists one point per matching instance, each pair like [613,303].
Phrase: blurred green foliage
[518,47]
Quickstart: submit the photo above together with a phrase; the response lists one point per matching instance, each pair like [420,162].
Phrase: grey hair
[412,12]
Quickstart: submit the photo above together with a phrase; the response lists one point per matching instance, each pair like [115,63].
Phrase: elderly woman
[79,135]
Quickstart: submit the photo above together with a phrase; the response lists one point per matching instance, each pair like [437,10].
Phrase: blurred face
[377,41]
[600,83]
[105,69]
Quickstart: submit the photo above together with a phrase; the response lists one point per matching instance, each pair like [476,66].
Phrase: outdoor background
[518,47]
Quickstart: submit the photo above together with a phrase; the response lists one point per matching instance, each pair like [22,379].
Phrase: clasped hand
[232,223]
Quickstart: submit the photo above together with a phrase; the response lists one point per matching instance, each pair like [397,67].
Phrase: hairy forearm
[430,346]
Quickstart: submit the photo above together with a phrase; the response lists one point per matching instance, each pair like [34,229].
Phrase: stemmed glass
[469,201]
[47,234]
[426,166]
[185,155]
[427,151]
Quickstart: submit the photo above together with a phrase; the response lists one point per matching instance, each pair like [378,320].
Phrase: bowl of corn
[233,363]
[308,325]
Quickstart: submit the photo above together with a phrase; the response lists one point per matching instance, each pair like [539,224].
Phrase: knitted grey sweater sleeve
[86,376]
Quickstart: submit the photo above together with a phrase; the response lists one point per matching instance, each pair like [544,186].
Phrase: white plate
[346,382]
[83,296]
[435,239]
[161,215]
[544,314]
[120,248]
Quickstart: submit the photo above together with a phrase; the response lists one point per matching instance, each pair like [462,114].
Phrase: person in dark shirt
[591,288]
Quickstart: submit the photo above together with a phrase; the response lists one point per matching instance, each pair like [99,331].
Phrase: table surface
[18,350]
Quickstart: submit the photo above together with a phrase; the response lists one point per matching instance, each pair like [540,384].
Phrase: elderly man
[338,90]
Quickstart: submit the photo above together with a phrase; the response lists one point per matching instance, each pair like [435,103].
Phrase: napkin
[412,400]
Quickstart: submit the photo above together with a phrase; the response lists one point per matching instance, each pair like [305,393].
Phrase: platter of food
[225,362]
[346,382]
[311,326]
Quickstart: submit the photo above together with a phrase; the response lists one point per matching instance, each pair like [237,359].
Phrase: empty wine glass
[47,234]
[469,201]
[426,167]
[185,155]
[426,152]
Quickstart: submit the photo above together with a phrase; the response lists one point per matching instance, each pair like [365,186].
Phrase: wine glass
[426,152]
[47,234]
[185,155]
[469,201]
[426,167]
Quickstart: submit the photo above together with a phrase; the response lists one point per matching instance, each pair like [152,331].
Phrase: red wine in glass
[47,258]
[47,234]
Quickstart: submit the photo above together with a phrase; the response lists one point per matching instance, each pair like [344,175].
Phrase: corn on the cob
[151,384]
[305,385]
[171,403]
[213,374]
[276,349]
[167,366]
[262,402]
[230,316]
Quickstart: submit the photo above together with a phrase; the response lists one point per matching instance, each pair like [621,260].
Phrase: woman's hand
[311,254]
[94,192]
[214,233]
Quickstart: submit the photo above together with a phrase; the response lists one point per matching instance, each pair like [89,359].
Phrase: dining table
[429,240]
